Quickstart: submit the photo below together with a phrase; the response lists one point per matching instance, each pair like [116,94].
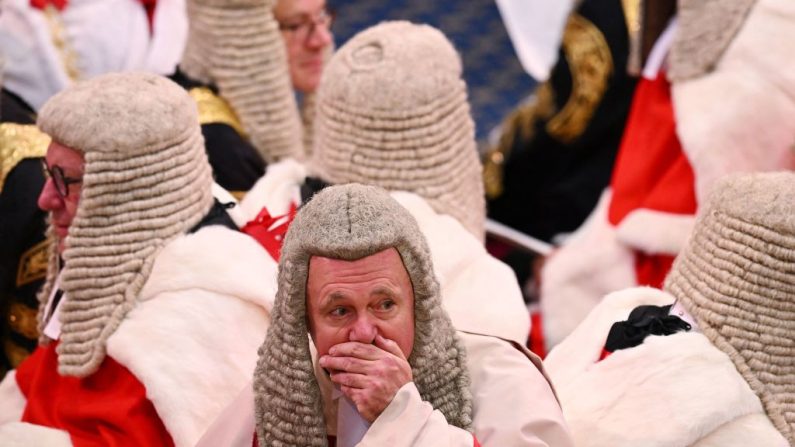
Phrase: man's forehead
[380,258]
[326,273]
[64,156]
[286,9]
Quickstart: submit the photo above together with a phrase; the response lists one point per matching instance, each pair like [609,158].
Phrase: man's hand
[369,375]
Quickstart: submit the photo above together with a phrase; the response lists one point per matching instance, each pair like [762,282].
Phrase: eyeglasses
[60,180]
[303,29]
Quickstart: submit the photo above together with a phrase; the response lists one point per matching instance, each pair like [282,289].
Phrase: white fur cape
[738,118]
[192,339]
[676,390]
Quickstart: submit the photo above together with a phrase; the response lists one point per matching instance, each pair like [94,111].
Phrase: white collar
[677,309]
[53,316]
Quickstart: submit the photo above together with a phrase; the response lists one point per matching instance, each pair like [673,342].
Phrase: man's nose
[49,199]
[363,331]
[320,37]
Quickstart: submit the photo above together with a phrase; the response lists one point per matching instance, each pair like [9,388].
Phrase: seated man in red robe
[148,329]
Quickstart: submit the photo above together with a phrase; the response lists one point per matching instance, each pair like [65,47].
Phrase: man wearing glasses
[306,29]
[153,306]
[60,196]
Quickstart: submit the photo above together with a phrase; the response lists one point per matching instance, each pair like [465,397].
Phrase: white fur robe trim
[676,390]
[738,118]
[12,401]
[192,340]
[480,293]
[23,434]
[655,232]
[591,264]
[279,188]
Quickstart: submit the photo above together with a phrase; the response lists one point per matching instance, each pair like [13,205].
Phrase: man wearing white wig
[708,360]
[148,328]
[384,366]
[392,111]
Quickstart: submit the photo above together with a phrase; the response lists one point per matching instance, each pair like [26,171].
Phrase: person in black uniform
[556,152]
[23,252]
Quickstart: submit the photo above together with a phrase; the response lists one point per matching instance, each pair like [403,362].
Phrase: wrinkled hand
[369,375]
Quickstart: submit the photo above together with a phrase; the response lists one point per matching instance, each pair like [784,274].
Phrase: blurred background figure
[305,26]
[555,152]
[235,68]
[715,98]
[50,44]
[23,256]
[306,29]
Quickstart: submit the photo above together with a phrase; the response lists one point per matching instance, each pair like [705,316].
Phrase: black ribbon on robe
[642,322]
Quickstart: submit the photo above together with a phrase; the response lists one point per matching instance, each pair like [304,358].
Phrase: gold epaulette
[33,264]
[591,65]
[18,142]
[214,109]
[520,124]
[238,195]
[22,320]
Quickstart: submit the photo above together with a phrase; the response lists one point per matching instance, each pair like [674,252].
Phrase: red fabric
[476,444]
[149,6]
[108,408]
[651,270]
[269,231]
[651,171]
[535,342]
[41,4]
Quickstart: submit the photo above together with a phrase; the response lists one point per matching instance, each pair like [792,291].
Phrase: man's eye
[386,305]
[338,312]
[293,27]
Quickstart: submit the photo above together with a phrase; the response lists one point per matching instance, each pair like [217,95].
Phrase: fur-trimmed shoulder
[12,401]
[480,293]
[591,264]
[583,346]
[276,190]
[670,390]
[192,339]
[752,429]
[737,118]
[215,259]
[652,231]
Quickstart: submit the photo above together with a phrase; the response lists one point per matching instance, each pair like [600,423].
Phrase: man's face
[355,300]
[306,35]
[70,163]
